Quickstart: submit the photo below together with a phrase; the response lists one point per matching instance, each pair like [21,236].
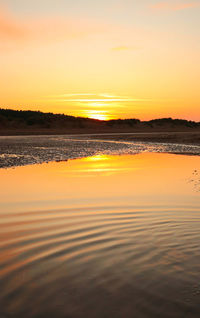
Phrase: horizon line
[100,120]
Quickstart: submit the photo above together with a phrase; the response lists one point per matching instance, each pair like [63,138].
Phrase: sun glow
[70,57]
[99,117]
[97,114]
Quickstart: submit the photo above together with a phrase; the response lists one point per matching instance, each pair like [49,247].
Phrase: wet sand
[190,136]
[25,150]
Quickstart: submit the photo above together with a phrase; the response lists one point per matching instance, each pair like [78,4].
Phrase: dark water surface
[104,236]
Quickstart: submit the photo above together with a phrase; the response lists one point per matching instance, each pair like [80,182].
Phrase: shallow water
[104,236]
[26,150]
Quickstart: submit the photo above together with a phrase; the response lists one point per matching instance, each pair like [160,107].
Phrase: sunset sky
[101,58]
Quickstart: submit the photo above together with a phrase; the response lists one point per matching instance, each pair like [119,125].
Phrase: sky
[101,59]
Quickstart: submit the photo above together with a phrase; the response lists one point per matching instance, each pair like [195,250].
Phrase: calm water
[105,236]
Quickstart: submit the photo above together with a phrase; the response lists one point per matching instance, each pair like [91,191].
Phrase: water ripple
[145,258]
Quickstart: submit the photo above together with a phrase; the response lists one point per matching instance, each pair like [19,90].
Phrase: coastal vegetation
[33,122]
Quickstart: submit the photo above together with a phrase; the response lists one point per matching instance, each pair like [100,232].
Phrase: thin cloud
[106,95]
[107,100]
[10,28]
[95,98]
[17,30]
[75,94]
[174,6]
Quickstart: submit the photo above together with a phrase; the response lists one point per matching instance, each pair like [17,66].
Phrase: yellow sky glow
[136,59]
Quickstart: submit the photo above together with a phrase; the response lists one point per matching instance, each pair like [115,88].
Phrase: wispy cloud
[174,5]
[96,98]
[49,28]
[106,100]
[10,28]
[73,94]
[106,95]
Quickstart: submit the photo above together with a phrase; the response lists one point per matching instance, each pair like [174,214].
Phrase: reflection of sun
[97,158]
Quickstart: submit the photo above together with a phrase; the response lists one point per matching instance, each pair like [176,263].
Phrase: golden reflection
[152,177]
[106,165]
[97,158]
[98,164]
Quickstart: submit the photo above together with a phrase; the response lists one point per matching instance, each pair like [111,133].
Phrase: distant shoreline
[182,137]
[188,138]
[32,123]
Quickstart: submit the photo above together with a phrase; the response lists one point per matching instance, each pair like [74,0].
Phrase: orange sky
[101,59]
